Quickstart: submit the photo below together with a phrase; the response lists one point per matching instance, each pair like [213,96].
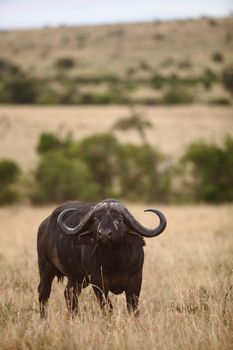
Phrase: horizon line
[115,22]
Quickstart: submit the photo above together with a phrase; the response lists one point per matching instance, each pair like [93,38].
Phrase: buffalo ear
[135,239]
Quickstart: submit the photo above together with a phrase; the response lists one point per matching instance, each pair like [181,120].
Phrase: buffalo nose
[105,233]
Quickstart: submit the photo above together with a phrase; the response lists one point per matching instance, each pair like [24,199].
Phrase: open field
[174,127]
[187,295]
[186,299]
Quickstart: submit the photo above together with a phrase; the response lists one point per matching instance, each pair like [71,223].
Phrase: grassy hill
[167,47]
[124,63]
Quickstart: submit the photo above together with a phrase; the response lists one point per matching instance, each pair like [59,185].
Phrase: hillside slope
[184,46]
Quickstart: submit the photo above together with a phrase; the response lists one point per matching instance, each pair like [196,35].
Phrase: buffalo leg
[132,296]
[47,274]
[71,293]
[103,300]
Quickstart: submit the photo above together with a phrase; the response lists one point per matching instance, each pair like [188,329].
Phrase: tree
[211,168]
[135,121]
[59,178]
[227,78]
[9,176]
[100,153]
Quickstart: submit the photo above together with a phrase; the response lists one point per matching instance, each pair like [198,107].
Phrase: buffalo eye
[117,220]
[96,219]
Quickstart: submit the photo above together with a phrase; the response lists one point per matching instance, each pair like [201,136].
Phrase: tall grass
[186,300]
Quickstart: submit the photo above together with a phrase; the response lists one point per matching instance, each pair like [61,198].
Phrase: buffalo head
[110,221]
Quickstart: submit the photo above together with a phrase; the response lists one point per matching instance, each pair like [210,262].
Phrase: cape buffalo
[93,243]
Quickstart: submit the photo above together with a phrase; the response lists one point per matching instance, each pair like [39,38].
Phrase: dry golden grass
[186,299]
[187,294]
[160,46]
[174,127]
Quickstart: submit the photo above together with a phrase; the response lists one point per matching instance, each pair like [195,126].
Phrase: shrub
[99,167]
[158,36]
[110,97]
[130,72]
[8,69]
[177,94]
[117,31]
[208,78]
[9,172]
[96,99]
[222,101]
[59,179]
[65,63]
[47,95]
[139,176]
[20,90]
[128,85]
[97,79]
[184,64]
[100,153]
[168,62]
[212,22]
[51,142]
[143,65]
[9,175]
[227,78]
[217,57]
[211,171]
[158,81]
[8,196]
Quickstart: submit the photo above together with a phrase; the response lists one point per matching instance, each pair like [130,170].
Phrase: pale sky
[38,13]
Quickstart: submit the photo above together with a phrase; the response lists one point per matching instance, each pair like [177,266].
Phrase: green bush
[100,153]
[19,90]
[47,95]
[211,171]
[217,57]
[158,81]
[143,65]
[68,97]
[184,64]
[208,78]
[139,176]
[9,69]
[65,63]
[96,79]
[221,100]
[227,78]
[8,196]
[97,167]
[96,99]
[59,178]
[9,176]
[50,142]
[9,172]
[178,94]
[110,97]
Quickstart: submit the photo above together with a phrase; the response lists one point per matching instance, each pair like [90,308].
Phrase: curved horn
[143,231]
[77,229]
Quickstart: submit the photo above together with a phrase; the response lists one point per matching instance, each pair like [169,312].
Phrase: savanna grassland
[151,63]
[159,46]
[186,299]
[187,293]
